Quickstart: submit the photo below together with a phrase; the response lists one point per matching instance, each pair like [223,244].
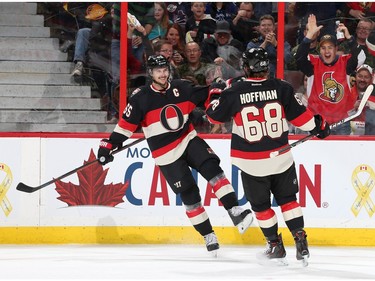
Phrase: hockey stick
[26,188]
[358,112]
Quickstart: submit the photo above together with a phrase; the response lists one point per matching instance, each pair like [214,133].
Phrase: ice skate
[212,244]
[302,251]
[241,218]
[274,254]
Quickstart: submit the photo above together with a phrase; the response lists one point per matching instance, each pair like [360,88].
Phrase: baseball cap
[329,38]
[222,27]
[366,67]
[370,43]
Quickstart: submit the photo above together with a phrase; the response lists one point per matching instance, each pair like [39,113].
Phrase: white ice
[177,262]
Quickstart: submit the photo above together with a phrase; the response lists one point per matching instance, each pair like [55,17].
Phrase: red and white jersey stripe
[164,117]
[261,110]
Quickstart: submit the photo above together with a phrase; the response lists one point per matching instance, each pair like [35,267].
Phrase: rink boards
[129,201]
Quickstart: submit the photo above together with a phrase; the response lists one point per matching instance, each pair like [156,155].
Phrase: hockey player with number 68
[162,109]
[260,108]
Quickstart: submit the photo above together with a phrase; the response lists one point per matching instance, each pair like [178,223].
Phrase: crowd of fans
[205,40]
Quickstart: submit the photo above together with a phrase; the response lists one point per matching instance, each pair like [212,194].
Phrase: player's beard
[162,85]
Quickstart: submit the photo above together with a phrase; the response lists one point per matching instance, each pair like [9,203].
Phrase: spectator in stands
[134,65]
[244,23]
[365,123]
[222,11]
[328,75]
[143,12]
[179,12]
[354,11]
[81,47]
[268,41]
[97,39]
[223,48]
[193,69]
[157,30]
[199,25]
[66,19]
[165,48]
[362,32]
[176,37]
[137,47]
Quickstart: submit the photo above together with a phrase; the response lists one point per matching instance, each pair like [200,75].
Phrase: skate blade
[245,224]
[263,260]
[214,253]
[305,261]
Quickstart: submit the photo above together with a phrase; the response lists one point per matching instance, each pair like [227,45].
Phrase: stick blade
[25,188]
[365,97]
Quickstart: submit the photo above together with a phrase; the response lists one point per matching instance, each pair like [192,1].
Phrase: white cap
[366,67]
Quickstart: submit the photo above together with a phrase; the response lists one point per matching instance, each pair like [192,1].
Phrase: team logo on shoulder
[332,90]
[136,91]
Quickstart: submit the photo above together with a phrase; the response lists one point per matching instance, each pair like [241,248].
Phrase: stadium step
[38,93]
[36,67]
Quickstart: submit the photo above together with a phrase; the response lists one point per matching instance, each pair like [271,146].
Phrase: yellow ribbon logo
[4,187]
[363,181]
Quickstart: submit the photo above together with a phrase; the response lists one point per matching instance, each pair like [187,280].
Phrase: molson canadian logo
[363,181]
[6,179]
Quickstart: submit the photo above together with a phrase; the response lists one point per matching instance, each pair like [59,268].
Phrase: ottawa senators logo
[332,90]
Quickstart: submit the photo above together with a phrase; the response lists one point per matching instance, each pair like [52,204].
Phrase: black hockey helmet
[255,60]
[155,61]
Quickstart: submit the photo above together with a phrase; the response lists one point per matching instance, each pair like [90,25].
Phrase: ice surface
[177,262]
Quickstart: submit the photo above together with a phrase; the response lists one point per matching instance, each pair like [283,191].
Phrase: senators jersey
[330,94]
[260,109]
[164,117]
[328,85]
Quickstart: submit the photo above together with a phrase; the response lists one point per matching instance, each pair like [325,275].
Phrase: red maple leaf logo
[91,189]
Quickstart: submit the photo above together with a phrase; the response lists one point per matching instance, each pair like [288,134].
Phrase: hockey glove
[197,117]
[215,89]
[104,152]
[322,129]
[218,83]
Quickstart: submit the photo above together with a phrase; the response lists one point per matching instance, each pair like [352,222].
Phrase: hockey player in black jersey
[162,108]
[260,108]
